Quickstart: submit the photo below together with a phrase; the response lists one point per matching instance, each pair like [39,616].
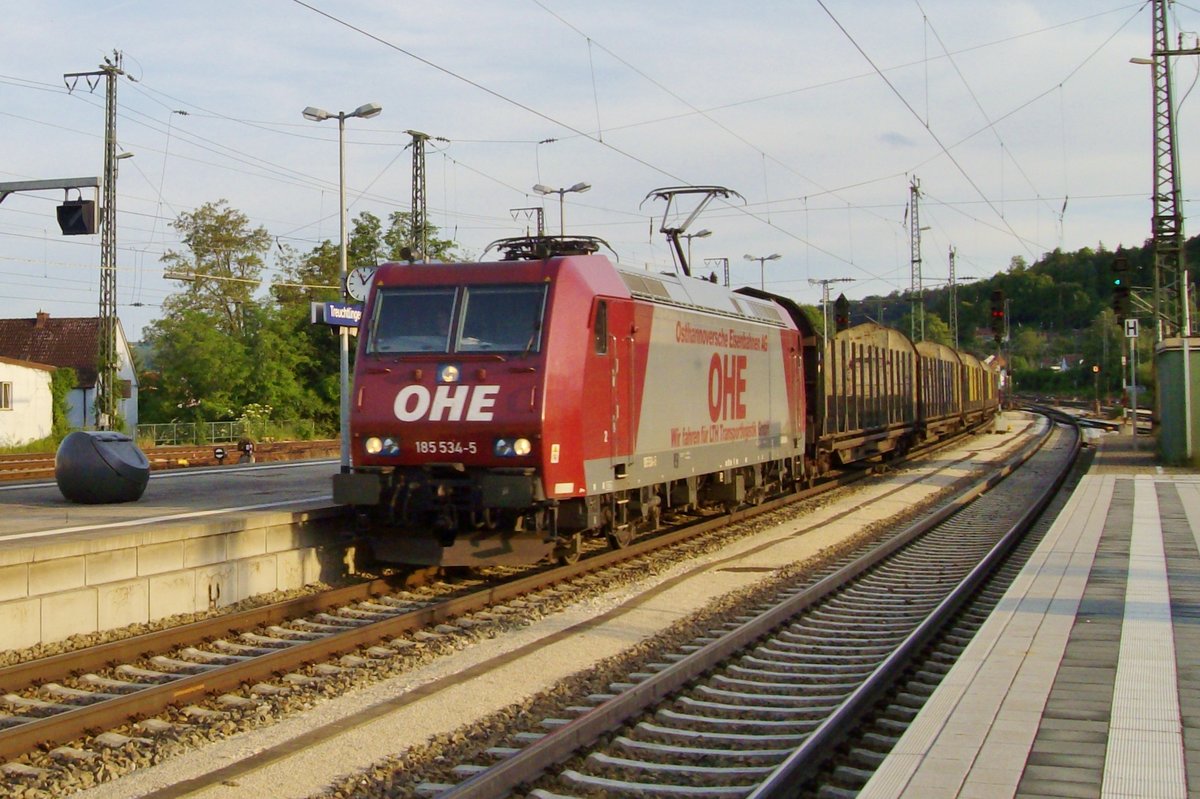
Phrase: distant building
[73,342]
[26,404]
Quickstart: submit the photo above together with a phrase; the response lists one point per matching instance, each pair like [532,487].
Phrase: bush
[42,445]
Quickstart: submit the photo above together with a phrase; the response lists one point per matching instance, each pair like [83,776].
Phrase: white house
[73,342]
[25,401]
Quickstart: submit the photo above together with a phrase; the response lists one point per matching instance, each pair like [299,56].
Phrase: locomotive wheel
[569,548]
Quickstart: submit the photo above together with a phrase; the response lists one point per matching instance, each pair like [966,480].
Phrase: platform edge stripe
[1140,750]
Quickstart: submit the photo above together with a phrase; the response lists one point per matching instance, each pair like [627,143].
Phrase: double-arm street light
[762,273]
[578,187]
[320,115]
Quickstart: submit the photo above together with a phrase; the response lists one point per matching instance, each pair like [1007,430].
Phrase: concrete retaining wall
[51,591]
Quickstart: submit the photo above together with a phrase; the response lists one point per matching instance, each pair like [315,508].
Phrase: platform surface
[1085,681]
[33,513]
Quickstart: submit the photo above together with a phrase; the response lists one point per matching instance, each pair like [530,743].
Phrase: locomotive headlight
[384,446]
[512,447]
[447,373]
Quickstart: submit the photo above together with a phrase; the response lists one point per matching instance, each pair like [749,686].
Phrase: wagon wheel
[569,548]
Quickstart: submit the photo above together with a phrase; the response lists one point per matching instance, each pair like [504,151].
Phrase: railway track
[847,772]
[240,659]
[756,706]
[37,466]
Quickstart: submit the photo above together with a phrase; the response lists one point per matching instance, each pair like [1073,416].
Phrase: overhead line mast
[953,300]
[1171,311]
[917,285]
[418,194]
[107,363]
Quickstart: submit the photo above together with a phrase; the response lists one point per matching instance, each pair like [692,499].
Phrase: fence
[162,435]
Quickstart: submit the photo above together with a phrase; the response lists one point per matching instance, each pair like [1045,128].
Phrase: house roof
[58,342]
[27,364]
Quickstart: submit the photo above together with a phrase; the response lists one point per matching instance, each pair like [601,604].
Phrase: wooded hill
[1060,315]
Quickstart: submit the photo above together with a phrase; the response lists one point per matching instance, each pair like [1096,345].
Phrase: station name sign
[336,313]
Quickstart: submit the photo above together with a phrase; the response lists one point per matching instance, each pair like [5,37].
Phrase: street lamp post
[578,187]
[320,115]
[700,234]
[762,272]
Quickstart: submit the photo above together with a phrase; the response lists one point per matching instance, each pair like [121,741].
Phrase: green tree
[223,263]
[204,370]
[1027,346]
[398,239]
[936,329]
[311,277]
[282,377]
[221,348]
[364,241]
[62,382]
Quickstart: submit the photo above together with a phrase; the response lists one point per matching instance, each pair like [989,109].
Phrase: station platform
[197,540]
[1085,680]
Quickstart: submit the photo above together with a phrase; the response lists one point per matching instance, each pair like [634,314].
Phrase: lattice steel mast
[953,302]
[1171,311]
[917,287]
[420,216]
[107,363]
[419,231]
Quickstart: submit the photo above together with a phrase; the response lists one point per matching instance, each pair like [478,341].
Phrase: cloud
[895,139]
[769,99]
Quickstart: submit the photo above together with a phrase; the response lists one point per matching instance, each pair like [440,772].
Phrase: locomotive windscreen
[464,319]
[412,320]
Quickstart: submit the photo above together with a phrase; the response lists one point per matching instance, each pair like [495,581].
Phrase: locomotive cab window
[412,320]
[600,329]
[502,318]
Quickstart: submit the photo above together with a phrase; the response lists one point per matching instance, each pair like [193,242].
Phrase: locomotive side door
[621,386]
[607,395]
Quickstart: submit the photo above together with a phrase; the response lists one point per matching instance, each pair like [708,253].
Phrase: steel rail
[563,742]
[154,699]
[803,763]
[62,666]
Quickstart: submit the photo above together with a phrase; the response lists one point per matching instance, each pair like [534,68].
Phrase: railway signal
[77,217]
[1120,302]
[841,313]
[1120,296]
[998,315]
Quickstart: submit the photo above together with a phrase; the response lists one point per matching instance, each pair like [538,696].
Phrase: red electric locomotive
[503,410]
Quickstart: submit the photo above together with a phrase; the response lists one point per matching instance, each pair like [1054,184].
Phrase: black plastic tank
[99,467]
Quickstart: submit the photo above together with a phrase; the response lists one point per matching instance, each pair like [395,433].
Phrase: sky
[1023,124]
